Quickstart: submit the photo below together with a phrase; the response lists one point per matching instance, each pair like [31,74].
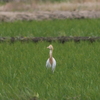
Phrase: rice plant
[23,73]
[51,28]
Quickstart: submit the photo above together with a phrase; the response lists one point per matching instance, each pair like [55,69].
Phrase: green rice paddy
[22,65]
[46,28]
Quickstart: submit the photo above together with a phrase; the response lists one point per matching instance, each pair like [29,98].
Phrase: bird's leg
[53,69]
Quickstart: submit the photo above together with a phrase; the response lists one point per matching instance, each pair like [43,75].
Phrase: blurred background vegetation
[50,1]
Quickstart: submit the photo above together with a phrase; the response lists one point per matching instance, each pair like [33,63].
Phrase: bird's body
[52,65]
[51,62]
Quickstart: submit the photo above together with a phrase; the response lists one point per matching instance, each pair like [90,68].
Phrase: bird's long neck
[50,53]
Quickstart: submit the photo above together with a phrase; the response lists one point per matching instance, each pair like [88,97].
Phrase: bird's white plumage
[51,62]
[53,65]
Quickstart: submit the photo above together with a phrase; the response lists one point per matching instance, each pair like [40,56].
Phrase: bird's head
[50,47]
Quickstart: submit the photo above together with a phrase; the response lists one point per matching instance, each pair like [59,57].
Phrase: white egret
[51,62]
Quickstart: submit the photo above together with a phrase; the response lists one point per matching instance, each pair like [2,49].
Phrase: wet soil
[49,39]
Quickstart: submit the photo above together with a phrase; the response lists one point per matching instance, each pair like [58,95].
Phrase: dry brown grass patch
[63,6]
